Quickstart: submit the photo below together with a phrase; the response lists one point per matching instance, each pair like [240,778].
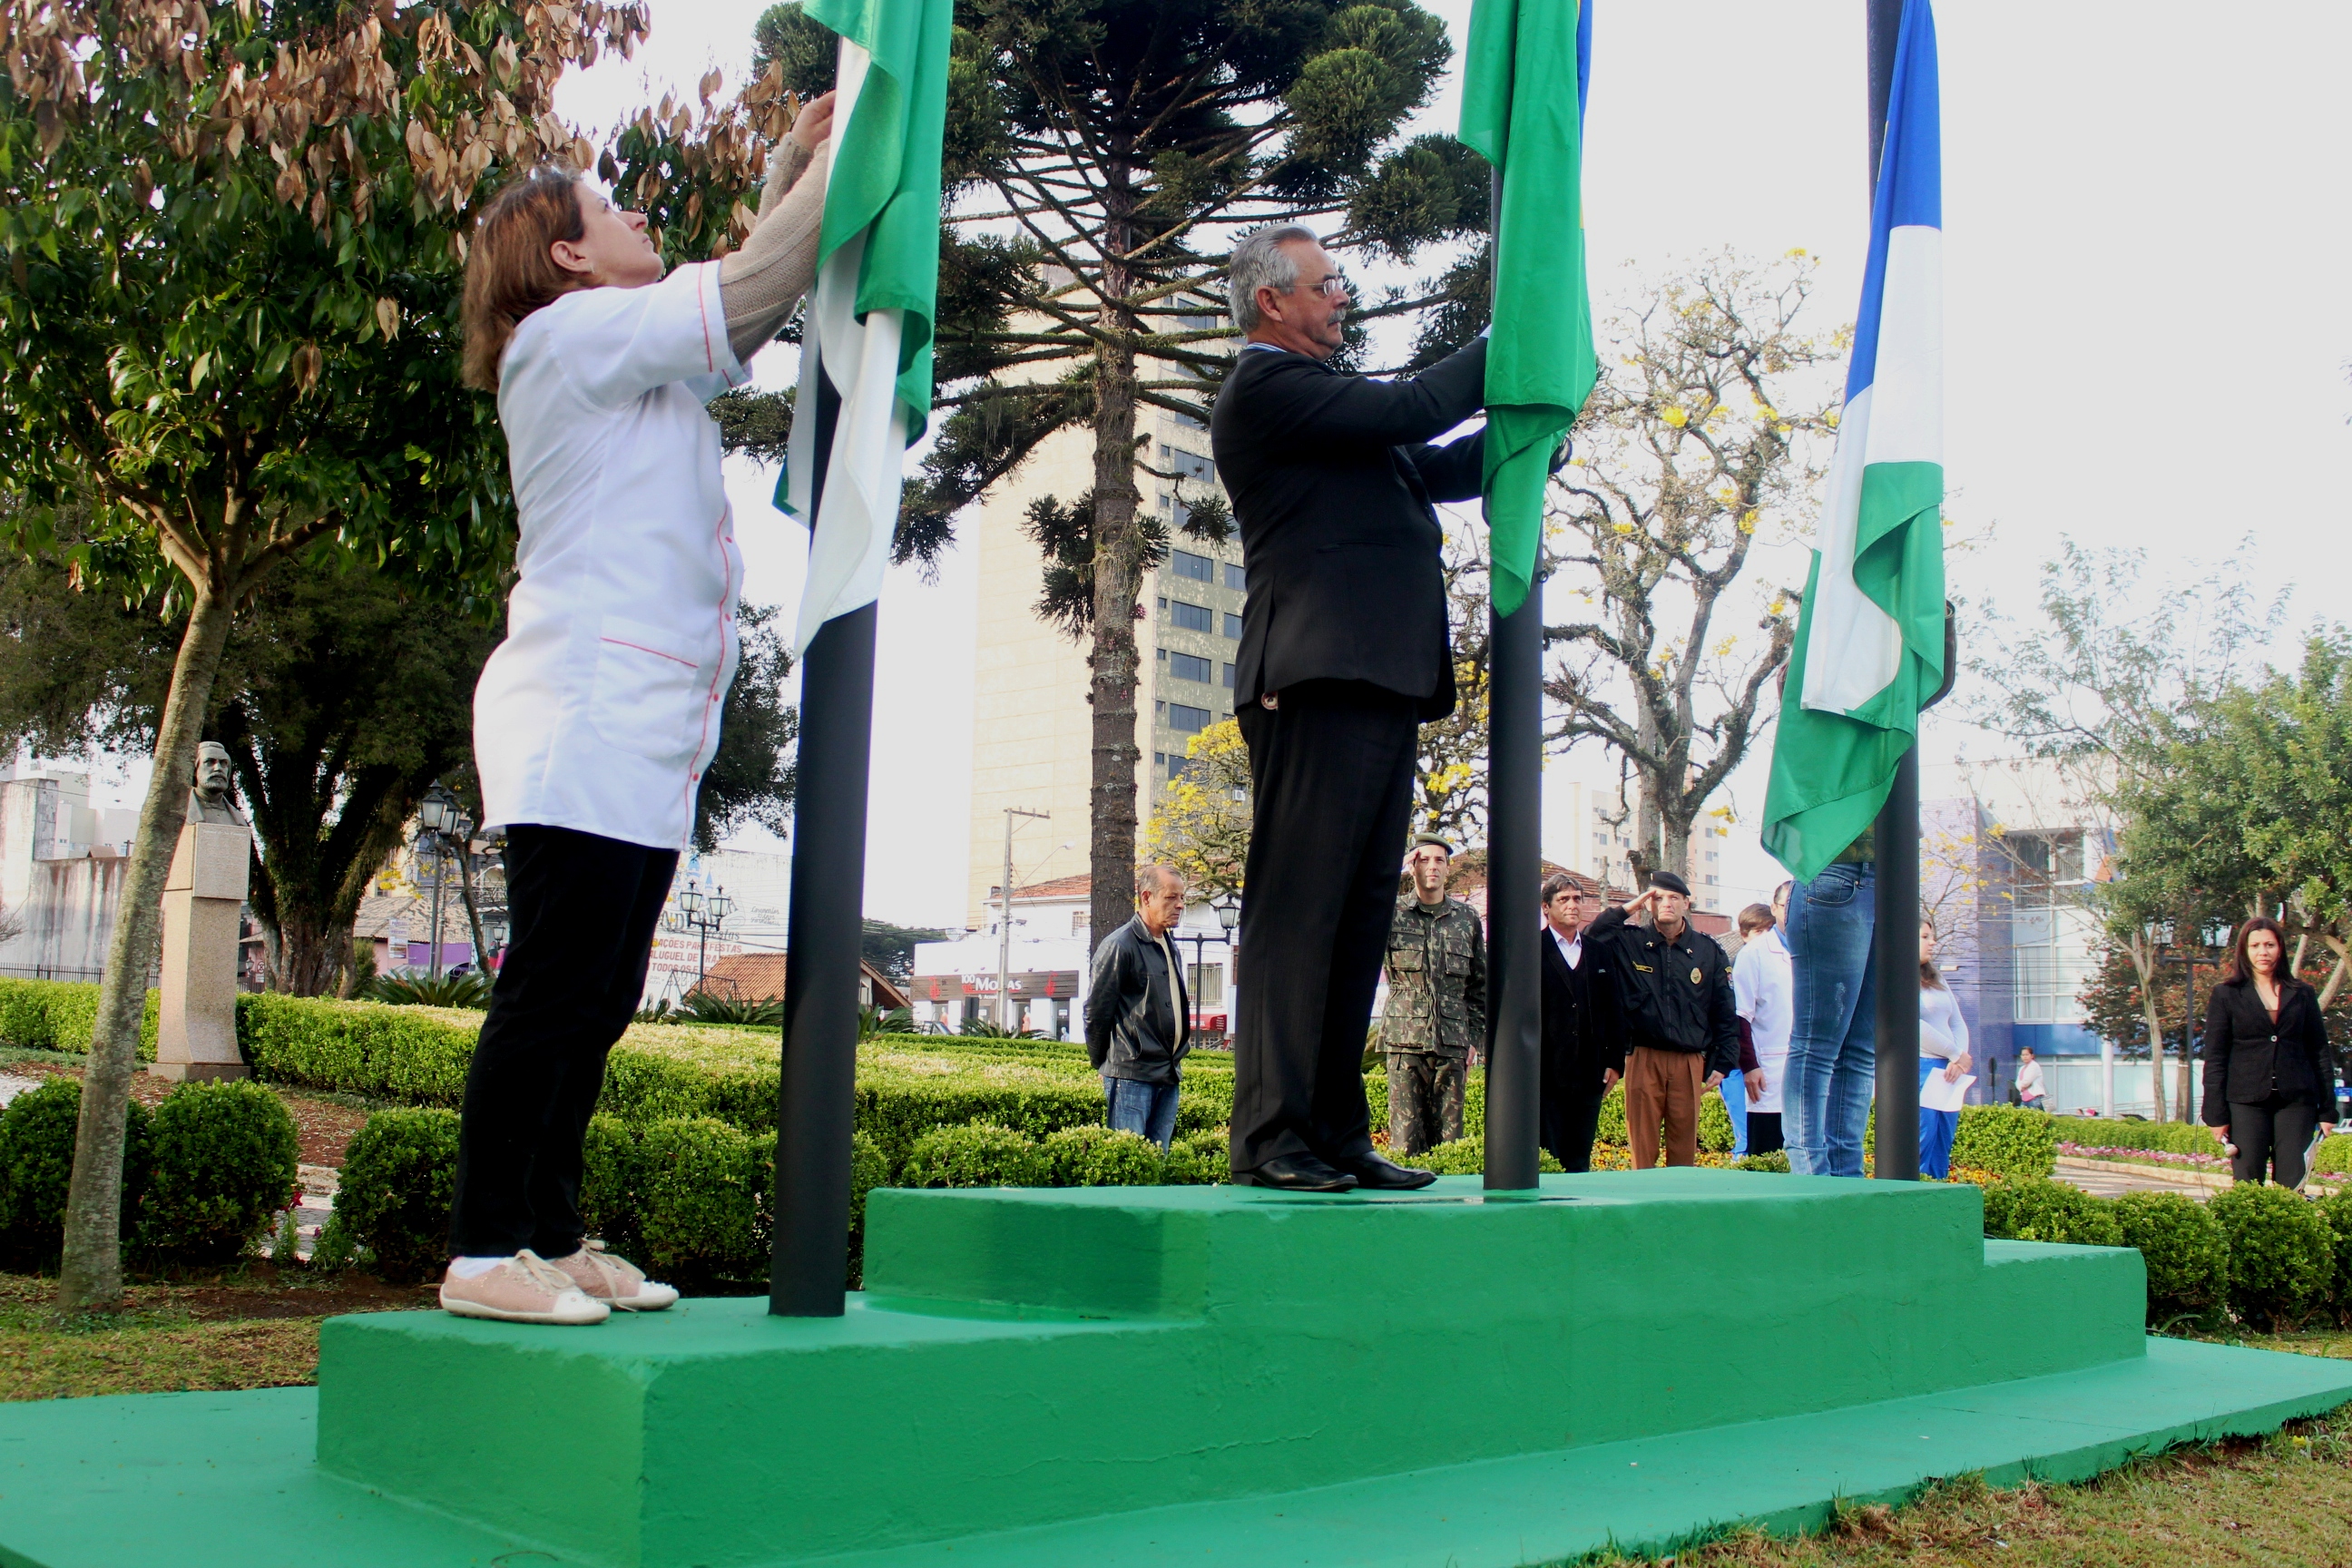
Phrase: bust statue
[213,799]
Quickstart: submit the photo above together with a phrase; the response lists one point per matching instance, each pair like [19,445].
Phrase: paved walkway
[2106,1178]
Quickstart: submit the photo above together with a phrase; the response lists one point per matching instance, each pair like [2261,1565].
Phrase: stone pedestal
[196,1031]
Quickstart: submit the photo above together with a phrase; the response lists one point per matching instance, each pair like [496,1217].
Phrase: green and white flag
[1523,92]
[1870,642]
[869,319]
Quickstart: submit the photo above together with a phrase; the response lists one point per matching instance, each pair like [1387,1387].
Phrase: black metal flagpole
[1895,946]
[809,1269]
[1514,861]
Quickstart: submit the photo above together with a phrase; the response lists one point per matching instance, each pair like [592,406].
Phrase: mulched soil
[326,1126]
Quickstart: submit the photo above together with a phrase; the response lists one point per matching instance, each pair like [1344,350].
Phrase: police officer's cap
[1421,838]
[1667,881]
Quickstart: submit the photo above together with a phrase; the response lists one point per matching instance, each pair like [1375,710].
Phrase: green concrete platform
[1117,1376]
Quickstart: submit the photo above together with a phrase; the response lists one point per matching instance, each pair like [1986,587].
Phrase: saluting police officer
[1677,1020]
[1437,1002]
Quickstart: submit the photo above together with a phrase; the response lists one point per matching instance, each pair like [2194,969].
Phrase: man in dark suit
[1344,654]
[1582,1053]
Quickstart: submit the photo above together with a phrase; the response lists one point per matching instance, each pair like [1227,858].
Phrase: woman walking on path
[1761,987]
[2269,1076]
[1943,1047]
[596,716]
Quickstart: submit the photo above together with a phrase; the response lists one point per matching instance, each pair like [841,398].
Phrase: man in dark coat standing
[1344,654]
[1582,1052]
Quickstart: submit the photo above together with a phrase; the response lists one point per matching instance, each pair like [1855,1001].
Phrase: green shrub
[1466,1156]
[2333,1155]
[2337,1209]
[2116,1132]
[2281,1254]
[392,1207]
[1715,1130]
[1778,1160]
[612,1185]
[2035,1208]
[1610,1128]
[868,1170]
[1198,1159]
[471,989]
[2006,1140]
[2187,1255]
[36,1151]
[58,1016]
[225,1164]
[978,1155]
[1100,1157]
[704,1214]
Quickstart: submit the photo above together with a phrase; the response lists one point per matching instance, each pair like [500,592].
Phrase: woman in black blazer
[2269,1075]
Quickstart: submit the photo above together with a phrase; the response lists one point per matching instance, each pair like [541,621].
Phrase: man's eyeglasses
[1333,287]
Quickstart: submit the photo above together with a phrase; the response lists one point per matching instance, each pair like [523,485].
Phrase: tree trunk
[1118,573]
[2144,965]
[311,953]
[474,915]
[91,1275]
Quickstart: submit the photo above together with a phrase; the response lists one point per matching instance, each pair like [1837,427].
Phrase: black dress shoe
[1375,1174]
[1297,1173]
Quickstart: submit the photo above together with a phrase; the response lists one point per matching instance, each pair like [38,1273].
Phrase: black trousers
[584,910]
[2272,1135]
[1331,776]
[1764,1133]
[1570,1119]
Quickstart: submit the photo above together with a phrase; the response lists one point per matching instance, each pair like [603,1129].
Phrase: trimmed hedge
[36,1151]
[2333,1157]
[706,1212]
[2035,1208]
[1100,1157]
[58,1016]
[2006,1141]
[979,1156]
[2106,1132]
[2185,1250]
[391,1205]
[225,1160]
[1466,1156]
[2281,1254]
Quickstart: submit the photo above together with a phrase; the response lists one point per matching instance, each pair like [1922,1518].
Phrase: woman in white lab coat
[594,718]
[1943,1049]
[1762,989]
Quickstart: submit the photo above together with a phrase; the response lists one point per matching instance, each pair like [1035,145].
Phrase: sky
[2142,208]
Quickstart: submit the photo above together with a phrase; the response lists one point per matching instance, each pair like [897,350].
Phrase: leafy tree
[1106,152]
[891,948]
[1712,423]
[752,775]
[2105,688]
[1450,769]
[1202,823]
[231,334]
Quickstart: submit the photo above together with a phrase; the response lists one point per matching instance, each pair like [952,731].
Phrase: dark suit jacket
[1574,1038]
[2248,1057]
[1332,482]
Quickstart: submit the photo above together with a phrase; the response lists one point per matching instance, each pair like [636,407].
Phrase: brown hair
[509,273]
[1755,918]
[1556,884]
[2241,968]
[1929,975]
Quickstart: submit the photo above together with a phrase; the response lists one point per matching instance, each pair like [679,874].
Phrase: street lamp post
[701,913]
[1004,1014]
[440,817]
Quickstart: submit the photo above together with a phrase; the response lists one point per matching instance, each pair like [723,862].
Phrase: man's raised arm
[1302,398]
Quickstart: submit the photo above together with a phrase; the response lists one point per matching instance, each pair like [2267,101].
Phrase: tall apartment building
[1590,828]
[1033,732]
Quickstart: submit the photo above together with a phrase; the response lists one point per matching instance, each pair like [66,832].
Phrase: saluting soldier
[1437,1002]
[1678,1022]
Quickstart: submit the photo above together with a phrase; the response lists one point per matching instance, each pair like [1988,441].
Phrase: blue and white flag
[1870,641]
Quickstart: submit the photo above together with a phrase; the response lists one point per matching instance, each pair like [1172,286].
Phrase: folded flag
[1523,90]
[1870,638]
[869,327]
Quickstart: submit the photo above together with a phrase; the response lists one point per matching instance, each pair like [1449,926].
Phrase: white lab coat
[600,709]
[1763,992]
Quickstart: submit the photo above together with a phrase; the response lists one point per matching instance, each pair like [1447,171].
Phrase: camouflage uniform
[1436,1015]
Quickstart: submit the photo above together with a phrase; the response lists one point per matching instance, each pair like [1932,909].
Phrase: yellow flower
[1747,520]
[1675,416]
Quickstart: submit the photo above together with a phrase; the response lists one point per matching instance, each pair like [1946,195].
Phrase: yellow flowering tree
[1202,823]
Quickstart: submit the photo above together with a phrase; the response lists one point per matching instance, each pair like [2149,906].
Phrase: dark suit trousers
[1331,777]
[585,908]
[1571,1120]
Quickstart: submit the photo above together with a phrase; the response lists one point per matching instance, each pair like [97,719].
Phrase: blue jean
[1148,1109]
[1735,1101]
[1833,1055]
[1936,1128]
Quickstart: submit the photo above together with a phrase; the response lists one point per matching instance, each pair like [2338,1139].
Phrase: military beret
[1668,882]
[1421,838]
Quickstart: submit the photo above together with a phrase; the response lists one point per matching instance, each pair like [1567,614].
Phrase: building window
[1191,465]
[1235,578]
[1185,667]
[1158,759]
[1232,626]
[1160,708]
[1163,604]
[1229,678]
[1191,617]
[1163,655]
[1188,721]
[1199,568]
[1175,766]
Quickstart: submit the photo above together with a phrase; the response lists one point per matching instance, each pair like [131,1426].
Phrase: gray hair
[1149,879]
[1260,262]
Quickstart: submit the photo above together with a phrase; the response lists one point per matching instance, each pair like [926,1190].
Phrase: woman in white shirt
[594,718]
[1943,1047]
[1762,989]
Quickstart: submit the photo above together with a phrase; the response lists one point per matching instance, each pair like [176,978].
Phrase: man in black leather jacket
[1343,655]
[1139,1019]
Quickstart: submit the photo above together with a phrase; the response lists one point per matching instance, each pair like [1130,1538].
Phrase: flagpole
[1514,862]
[1895,946]
[816,1103]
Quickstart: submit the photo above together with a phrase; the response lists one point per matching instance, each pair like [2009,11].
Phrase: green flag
[1521,107]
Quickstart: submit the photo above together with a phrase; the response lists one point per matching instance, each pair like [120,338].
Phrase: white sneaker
[614,1280]
[524,1289]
